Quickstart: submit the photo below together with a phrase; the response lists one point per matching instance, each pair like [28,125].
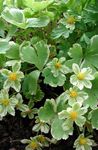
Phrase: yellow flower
[73,115]
[13,76]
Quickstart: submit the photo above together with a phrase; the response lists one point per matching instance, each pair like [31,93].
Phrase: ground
[13,129]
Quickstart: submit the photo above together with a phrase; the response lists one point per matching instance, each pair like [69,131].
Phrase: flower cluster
[76,109]
[71,105]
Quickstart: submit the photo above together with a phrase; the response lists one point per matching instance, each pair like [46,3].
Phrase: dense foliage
[53,44]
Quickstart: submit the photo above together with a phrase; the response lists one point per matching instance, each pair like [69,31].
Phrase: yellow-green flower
[82,77]
[55,72]
[74,95]
[13,78]
[7,104]
[33,145]
[83,143]
[73,114]
[58,66]
[69,21]
[36,142]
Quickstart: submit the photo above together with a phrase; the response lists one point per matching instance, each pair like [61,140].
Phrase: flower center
[41,138]
[73,94]
[58,65]
[71,20]
[82,141]
[73,115]
[5,102]
[13,76]
[33,145]
[81,76]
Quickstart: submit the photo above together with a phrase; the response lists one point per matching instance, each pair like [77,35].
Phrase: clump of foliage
[51,43]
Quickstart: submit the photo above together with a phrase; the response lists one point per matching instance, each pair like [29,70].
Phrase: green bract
[13,78]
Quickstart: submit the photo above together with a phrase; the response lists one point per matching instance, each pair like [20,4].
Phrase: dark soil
[13,129]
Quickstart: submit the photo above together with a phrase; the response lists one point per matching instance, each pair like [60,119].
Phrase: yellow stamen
[73,94]
[82,141]
[13,76]
[58,65]
[5,102]
[81,76]
[71,20]
[73,115]
[33,145]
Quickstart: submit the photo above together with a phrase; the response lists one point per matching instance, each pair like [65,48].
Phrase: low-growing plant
[49,57]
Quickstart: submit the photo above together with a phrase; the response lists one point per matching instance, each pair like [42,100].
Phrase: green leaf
[94,43]
[37,55]
[13,52]
[76,54]
[94,118]
[57,130]
[2,28]
[92,100]
[75,51]
[14,16]
[91,56]
[2,60]
[38,22]
[47,112]
[39,95]
[30,83]
[1,5]
[60,31]
[28,54]
[4,46]
[61,102]
[37,6]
